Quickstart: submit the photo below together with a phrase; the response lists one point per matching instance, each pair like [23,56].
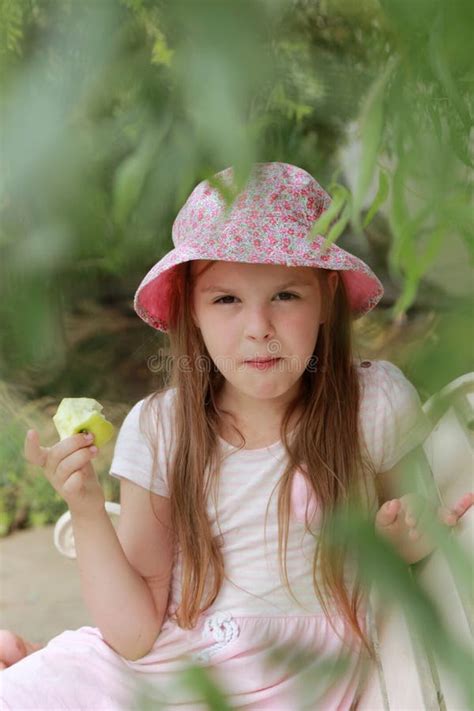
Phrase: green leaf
[460,139]
[407,297]
[371,128]
[381,196]
[380,566]
[340,195]
[161,52]
[6,519]
[441,69]
[432,249]
[198,679]
[131,174]
[338,227]
[402,255]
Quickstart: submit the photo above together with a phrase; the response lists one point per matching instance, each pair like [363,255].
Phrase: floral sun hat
[268,223]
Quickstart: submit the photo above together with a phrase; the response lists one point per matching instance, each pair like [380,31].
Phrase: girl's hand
[450,517]
[68,468]
[13,648]
[401,522]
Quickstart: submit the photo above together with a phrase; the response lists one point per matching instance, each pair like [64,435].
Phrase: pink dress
[254,615]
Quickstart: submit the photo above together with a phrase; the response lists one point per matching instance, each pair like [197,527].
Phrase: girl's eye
[287,293]
[293,296]
[220,301]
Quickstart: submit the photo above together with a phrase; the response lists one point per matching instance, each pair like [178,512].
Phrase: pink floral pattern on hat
[268,223]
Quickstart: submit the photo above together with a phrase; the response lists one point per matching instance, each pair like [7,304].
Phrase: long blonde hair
[326,439]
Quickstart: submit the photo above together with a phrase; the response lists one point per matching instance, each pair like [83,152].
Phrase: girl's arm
[119,599]
[116,595]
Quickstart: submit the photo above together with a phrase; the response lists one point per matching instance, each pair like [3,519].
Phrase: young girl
[230,473]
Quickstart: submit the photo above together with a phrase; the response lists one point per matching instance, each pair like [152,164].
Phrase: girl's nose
[258,324]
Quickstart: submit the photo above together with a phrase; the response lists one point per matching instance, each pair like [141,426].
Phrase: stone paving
[40,593]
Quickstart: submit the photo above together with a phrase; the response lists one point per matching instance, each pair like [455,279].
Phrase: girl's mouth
[262,364]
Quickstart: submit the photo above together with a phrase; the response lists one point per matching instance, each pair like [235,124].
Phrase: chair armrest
[63,534]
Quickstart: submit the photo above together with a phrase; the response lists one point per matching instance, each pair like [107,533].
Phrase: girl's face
[247,311]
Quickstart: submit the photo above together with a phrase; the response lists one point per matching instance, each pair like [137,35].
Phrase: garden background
[113,110]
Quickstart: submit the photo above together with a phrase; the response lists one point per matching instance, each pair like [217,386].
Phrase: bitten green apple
[79,414]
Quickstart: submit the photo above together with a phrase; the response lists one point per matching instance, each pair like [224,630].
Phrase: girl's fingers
[451,516]
[72,465]
[388,513]
[464,504]
[412,521]
[53,456]
[404,511]
[33,452]
[418,514]
[447,517]
[32,646]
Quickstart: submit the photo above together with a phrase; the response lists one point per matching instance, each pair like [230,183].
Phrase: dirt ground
[39,588]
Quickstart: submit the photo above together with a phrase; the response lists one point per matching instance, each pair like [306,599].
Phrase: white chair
[63,535]
[406,677]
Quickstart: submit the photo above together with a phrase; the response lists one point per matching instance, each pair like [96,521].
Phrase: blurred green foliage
[112,111]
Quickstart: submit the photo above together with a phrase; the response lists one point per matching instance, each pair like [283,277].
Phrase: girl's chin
[264,386]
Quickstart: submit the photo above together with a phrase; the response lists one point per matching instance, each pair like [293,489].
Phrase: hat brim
[152,298]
